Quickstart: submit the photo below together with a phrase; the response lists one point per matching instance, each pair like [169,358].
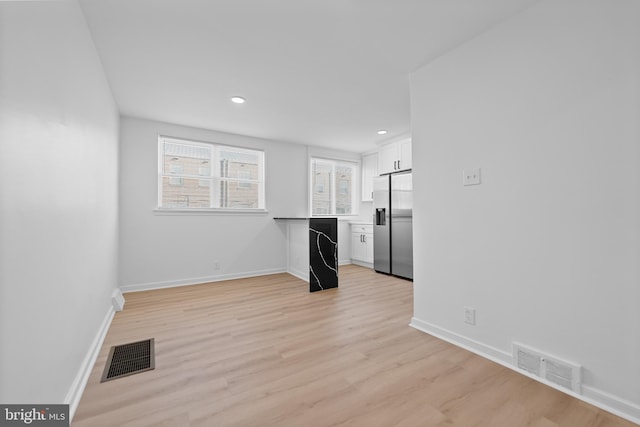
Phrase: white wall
[547,248]
[58,199]
[158,249]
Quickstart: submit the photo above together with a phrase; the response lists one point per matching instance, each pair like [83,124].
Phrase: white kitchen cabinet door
[369,171]
[387,158]
[358,248]
[368,240]
[362,243]
[404,151]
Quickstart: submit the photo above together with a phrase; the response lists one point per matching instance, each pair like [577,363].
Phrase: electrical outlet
[216,265]
[470,315]
[471,176]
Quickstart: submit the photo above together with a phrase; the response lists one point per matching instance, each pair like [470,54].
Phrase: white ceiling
[319,72]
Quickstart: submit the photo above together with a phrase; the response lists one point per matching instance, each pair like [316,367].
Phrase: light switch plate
[471,176]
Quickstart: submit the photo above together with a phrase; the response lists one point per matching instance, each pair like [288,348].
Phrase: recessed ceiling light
[382,132]
[238,99]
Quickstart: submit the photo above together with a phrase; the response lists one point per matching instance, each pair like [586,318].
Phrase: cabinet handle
[364,238]
[394,165]
[398,164]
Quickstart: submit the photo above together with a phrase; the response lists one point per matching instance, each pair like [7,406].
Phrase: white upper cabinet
[369,171]
[394,157]
[404,162]
[387,158]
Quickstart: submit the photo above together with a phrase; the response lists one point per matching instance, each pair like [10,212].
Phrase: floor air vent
[129,359]
[552,369]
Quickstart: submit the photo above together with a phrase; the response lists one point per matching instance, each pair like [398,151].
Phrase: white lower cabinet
[362,244]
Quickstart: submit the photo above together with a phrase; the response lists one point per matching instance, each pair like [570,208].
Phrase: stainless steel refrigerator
[393,224]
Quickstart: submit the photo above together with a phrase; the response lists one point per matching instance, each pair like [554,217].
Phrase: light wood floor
[266,352]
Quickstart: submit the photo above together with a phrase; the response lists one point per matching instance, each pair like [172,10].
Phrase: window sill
[187,212]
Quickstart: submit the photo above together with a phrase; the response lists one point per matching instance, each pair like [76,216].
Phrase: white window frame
[355,185]
[214,177]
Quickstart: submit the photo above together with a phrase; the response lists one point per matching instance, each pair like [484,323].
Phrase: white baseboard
[300,275]
[197,280]
[80,382]
[488,352]
[620,407]
[603,400]
[362,263]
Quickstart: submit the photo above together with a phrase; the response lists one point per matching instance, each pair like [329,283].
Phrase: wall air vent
[528,361]
[552,369]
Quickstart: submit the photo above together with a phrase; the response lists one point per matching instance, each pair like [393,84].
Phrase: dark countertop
[288,218]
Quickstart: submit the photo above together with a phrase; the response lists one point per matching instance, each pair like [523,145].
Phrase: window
[333,187]
[175,169]
[196,175]
[245,175]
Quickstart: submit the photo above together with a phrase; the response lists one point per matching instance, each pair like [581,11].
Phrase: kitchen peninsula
[312,250]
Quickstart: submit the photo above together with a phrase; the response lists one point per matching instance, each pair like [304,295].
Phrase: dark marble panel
[323,254]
